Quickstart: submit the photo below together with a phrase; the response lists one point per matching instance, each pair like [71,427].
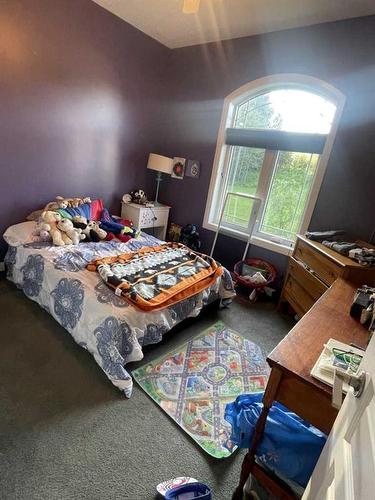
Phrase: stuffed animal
[90,229]
[61,202]
[127,198]
[190,237]
[42,231]
[50,219]
[71,202]
[75,234]
[80,222]
[96,233]
[138,196]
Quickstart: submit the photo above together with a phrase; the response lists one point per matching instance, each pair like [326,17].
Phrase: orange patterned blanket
[157,277]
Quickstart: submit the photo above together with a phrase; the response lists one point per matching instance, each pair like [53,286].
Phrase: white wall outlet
[2,267]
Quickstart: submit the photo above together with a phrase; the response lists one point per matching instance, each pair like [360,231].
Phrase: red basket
[260,264]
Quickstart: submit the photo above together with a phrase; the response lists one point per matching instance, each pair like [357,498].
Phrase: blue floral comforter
[112,330]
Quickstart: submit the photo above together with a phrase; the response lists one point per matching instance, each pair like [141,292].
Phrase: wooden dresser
[311,271]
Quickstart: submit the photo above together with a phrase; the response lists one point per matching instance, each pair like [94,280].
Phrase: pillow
[22,233]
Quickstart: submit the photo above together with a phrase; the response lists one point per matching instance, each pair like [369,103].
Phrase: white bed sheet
[112,330]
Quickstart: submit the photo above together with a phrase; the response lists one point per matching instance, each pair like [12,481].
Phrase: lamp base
[158,181]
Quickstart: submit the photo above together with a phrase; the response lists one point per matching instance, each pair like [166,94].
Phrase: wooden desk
[290,382]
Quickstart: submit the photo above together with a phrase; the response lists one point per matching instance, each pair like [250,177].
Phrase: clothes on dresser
[324,235]
[342,247]
[364,256]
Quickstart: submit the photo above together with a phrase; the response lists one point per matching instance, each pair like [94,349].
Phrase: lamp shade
[160,163]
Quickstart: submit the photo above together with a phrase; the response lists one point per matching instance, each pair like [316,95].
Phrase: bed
[110,328]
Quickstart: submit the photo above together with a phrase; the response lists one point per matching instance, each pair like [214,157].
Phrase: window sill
[255,240]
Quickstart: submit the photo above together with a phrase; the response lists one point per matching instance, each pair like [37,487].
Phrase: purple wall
[341,53]
[80,102]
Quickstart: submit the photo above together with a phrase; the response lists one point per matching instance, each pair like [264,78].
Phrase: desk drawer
[326,270]
[298,297]
[306,279]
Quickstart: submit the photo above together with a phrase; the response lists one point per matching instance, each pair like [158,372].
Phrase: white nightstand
[153,220]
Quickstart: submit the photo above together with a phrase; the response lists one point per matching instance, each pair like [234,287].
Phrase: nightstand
[153,220]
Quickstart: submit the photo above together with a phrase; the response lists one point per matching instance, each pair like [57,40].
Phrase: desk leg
[249,459]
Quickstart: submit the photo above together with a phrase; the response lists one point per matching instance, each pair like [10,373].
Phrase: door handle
[356,381]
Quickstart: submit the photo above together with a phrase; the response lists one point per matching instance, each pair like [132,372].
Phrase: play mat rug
[194,383]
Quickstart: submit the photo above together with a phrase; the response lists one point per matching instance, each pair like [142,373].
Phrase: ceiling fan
[190,6]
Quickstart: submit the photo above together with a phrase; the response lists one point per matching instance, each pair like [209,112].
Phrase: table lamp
[162,165]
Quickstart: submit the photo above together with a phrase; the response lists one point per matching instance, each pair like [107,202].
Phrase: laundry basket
[264,267]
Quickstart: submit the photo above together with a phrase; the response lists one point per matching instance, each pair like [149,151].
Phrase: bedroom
[86,96]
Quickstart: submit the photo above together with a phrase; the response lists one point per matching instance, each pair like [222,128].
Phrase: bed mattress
[110,328]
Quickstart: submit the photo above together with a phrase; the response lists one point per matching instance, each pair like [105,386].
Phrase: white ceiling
[225,19]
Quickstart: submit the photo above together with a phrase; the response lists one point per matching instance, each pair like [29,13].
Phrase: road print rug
[194,383]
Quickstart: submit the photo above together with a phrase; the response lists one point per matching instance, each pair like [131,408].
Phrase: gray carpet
[67,433]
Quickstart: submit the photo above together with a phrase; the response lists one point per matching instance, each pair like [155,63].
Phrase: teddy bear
[90,229]
[42,231]
[96,233]
[80,222]
[63,203]
[50,219]
[139,196]
[75,234]
[68,202]
[59,202]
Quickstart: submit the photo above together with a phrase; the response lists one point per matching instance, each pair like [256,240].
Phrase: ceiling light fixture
[190,6]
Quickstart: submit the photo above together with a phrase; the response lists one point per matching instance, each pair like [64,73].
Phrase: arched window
[274,142]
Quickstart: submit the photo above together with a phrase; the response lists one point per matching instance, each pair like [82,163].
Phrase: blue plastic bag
[289,445]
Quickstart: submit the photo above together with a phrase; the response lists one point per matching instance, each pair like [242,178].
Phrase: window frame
[223,151]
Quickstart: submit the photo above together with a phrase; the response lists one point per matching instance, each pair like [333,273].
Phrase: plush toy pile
[68,221]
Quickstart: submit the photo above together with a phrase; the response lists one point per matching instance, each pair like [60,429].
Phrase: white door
[346,467]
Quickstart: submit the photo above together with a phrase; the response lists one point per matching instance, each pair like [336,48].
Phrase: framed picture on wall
[193,169]
[178,168]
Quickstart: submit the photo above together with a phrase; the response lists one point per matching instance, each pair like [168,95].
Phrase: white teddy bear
[50,219]
[75,235]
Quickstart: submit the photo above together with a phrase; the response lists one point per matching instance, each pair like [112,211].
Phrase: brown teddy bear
[61,202]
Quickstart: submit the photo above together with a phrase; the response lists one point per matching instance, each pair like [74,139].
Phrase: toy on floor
[170,484]
[187,491]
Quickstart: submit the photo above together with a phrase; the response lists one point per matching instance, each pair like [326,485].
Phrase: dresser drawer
[313,285]
[327,270]
[297,296]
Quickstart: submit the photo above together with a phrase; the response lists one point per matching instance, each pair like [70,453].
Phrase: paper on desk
[324,370]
